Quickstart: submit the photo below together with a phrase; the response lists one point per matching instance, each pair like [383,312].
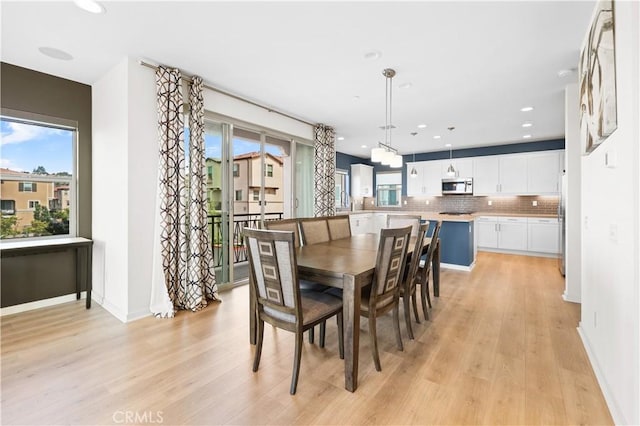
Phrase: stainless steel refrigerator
[562,209]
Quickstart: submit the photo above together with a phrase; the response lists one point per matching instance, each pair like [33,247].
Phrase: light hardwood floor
[501,348]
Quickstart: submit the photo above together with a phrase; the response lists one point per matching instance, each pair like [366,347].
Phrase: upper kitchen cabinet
[428,181]
[486,175]
[543,172]
[361,180]
[534,173]
[462,166]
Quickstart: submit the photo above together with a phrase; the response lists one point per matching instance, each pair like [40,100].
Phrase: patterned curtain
[324,170]
[201,284]
[182,255]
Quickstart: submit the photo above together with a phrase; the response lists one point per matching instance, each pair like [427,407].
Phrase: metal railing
[240,221]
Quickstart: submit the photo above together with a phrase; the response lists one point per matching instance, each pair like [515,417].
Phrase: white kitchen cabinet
[513,174]
[508,233]
[512,233]
[544,235]
[361,223]
[361,180]
[486,175]
[543,172]
[462,166]
[487,231]
[428,182]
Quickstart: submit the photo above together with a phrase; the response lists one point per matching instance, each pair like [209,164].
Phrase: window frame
[42,120]
[236,170]
[268,170]
[238,192]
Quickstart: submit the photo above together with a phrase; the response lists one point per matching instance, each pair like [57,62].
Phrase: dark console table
[82,247]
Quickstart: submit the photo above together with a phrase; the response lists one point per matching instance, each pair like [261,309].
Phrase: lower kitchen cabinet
[361,223]
[518,234]
[544,235]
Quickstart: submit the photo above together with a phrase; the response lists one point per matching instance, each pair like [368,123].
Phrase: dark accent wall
[29,278]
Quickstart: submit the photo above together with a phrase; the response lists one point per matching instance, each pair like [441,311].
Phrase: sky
[23,147]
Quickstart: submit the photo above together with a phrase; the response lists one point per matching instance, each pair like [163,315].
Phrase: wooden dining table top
[355,255]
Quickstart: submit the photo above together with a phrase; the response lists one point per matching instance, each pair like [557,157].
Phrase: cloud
[6,163]
[13,133]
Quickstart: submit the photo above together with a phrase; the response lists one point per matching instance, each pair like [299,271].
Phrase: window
[239,195]
[210,172]
[256,195]
[38,175]
[27,187]
[389,189]
[269,170]
[8,207]
[236,169]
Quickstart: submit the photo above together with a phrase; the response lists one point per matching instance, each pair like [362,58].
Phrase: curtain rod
[231,95]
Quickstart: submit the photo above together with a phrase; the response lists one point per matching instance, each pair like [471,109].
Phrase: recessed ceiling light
[526,109]
[374,54]
[54,53]
[90,6]
[447,145]
[437,137]
[422,126]
[405,85]
[340,138]
[355,98]
[564,73]
[363,146]
[526,137]
[527,124]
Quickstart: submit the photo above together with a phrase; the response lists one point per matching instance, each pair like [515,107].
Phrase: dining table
[348,264]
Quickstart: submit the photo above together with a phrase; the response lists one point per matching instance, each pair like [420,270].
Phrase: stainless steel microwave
[457,186]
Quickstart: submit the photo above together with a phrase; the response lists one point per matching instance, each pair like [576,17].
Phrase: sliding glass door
[250,179]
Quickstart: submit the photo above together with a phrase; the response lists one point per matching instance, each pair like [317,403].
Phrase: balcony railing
[240,221]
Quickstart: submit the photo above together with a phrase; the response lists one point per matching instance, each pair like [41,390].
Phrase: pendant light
[414,172]
[385,153]
[451,171]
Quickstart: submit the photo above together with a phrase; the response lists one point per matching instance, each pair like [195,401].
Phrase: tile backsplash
[469,203]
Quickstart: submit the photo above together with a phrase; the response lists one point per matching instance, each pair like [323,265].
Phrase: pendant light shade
[396,162]
[387,158]
[414,172]
[376,154]
[451,171]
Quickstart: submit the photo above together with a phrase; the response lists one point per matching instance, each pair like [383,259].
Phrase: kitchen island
[457,245]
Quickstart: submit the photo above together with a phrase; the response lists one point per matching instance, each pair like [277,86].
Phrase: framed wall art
[597,73]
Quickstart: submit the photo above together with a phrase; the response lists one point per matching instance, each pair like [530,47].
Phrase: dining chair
[400,220]
[383,295]
[285,225]
[339,227]
[424,270]
[293,226]
[314,230]
[408,287]
[278,299]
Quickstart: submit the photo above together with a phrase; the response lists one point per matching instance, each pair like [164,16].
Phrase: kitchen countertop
[452,218]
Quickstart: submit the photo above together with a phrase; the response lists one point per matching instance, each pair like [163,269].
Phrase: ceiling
[471,65]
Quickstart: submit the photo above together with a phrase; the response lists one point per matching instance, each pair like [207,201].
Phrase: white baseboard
[568,298]
[520,252]
[24,307]
[458,267]
[616,413]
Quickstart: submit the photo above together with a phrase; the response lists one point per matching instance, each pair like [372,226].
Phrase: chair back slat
[392,252]
[424,271]
[339,227]
[314,230]
[415,258]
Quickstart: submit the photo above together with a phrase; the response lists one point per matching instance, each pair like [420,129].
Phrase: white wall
[611,232]
[125,166]
[573,181]
[142,184]
[110,181]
